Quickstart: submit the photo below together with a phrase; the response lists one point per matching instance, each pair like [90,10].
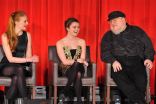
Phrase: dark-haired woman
[72,50]
[16,43]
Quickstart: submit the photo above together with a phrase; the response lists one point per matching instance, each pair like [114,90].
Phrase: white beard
[116,31]
[119,30]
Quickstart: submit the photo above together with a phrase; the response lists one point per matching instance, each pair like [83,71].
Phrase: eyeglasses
[113,20]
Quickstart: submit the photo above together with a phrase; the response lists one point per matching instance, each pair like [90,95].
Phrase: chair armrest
[94,67]
[33,65]
[148,76]
[53,72]
[108,76]
[91,71]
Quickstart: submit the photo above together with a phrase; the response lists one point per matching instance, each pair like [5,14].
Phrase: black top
[72,51]
[20,50]
[124,43]
[133,41]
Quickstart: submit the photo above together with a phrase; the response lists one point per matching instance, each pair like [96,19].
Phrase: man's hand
[117,66]
[148,63]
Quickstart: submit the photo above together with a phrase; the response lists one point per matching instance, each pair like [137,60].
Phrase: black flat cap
[115,14]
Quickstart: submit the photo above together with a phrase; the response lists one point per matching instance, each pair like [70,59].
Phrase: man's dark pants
[132,79]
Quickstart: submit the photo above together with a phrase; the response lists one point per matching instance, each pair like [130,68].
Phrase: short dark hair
[69,21]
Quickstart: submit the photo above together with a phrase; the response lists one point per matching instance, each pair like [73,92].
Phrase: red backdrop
[46,25]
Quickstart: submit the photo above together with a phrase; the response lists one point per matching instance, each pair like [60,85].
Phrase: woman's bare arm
[8,53]
[83,52]
[61,54]
[29,48]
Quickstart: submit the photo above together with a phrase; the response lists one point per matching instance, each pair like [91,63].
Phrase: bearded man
[129,50]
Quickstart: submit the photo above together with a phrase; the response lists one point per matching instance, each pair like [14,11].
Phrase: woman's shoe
[61,98]
[25,98]
[60,102]
[63,94]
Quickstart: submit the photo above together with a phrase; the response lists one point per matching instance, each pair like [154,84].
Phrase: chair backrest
[53,56]
[1,52]
[87,54]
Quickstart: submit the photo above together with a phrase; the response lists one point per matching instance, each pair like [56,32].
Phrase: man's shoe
[140,102]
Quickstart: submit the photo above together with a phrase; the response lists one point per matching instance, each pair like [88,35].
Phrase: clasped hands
[82,61]
[117,66]
[34,58]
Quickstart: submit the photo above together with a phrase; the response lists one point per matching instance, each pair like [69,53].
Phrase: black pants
[132,79]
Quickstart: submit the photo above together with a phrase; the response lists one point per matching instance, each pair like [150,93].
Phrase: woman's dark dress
[20,51]
[70,54]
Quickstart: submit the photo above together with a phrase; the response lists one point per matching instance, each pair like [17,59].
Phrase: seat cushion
[86,81]
[6,81]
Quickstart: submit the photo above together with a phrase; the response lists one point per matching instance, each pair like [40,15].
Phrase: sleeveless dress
[70,54]
[20,51]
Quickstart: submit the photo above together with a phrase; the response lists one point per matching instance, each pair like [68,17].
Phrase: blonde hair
[10,33]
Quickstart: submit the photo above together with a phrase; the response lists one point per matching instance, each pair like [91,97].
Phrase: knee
[77,63]
[79,75]
[117,75]
[14,79]
[20,70]
[141,79]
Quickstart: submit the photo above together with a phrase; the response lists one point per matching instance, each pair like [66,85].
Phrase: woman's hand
[82,61]
[86,63]
[33,59]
